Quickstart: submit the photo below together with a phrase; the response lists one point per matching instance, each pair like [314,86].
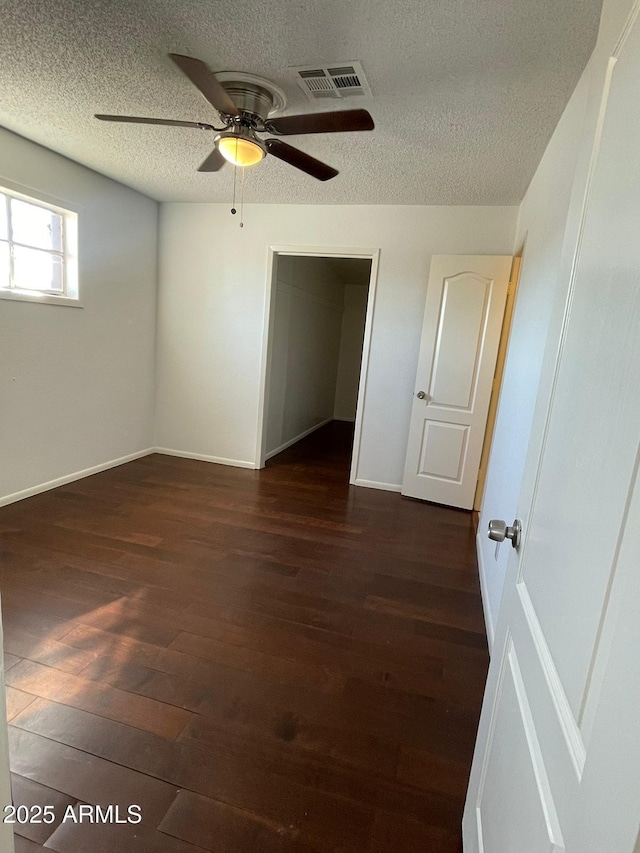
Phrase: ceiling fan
[244,103]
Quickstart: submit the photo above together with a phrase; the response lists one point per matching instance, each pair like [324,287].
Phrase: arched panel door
[466,297]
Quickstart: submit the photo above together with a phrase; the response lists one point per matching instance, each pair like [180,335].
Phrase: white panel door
[557,762]
[466,296]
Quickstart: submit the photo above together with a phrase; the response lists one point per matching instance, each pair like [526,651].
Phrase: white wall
[351,339]
[77,384]
[305,348]
[549,219]
[212,306]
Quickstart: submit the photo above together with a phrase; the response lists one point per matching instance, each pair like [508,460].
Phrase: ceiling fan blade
[304,162]
[204,79]
[142,120]
[336,122]
[213,163]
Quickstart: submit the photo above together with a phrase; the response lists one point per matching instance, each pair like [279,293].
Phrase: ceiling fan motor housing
[253,101]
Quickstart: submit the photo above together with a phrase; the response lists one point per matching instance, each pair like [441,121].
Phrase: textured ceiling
[466,93]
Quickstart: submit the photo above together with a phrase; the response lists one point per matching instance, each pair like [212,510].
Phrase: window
[38,250]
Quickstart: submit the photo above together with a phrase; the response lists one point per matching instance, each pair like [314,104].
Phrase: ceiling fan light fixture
[240,150]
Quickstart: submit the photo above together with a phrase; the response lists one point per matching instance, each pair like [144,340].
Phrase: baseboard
[296,439]
[69,478]
[344,420]
[371,484]
[202,457]
[167,451]
[488,618]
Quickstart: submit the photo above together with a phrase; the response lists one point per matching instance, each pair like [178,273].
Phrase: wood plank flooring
[262,661]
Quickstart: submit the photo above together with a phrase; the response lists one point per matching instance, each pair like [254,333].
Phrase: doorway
[318,320]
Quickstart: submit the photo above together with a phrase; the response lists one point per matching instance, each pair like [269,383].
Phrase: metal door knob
[421,395]
[499,531]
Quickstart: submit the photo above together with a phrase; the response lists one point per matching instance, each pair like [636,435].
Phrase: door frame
[274,252]
[505,338]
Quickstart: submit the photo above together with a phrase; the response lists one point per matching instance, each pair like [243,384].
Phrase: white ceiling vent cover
[338,80]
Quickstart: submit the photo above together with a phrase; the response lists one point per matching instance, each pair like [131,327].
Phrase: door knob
[421,395]
[499,531]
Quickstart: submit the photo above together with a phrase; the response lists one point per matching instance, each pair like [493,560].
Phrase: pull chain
[242,199]
[235,172]
[233,204]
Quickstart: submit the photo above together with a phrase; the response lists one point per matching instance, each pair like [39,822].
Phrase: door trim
[273,252]
[503,346]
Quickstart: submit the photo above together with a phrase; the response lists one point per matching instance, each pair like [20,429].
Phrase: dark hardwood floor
[262,661]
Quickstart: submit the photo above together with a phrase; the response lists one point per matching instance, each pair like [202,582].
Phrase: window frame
[69,296]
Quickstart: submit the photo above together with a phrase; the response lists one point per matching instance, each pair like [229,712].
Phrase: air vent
[344,80]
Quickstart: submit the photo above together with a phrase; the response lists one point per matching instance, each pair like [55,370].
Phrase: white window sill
[42,298]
